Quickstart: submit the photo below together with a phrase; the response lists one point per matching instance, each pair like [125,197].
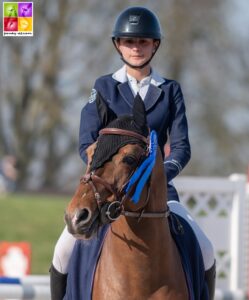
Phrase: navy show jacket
[165,111]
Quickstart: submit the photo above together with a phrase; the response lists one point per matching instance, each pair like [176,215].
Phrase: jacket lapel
[126,93]
[152,96]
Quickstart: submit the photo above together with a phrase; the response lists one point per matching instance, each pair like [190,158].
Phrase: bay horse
[124,191]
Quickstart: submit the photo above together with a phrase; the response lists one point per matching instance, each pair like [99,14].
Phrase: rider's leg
[59,268]
[58,284]
[205,245]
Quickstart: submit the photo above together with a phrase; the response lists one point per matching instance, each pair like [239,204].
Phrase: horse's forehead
[107,147]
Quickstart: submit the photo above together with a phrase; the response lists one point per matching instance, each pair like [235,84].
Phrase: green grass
[37,219]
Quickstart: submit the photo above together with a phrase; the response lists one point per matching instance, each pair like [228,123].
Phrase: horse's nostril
[84,215]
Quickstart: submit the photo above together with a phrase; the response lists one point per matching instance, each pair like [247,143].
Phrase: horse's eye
[130,160]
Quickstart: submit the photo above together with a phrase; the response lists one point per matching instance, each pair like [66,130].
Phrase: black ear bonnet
[108,145]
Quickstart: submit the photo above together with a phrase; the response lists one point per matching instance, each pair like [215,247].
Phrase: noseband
[110,211]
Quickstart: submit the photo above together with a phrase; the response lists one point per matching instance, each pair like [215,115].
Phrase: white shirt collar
[143,82]
[121,76]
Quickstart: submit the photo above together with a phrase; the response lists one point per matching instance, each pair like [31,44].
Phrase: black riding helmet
[137,22]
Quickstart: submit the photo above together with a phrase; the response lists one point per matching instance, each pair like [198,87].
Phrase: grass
[37,219]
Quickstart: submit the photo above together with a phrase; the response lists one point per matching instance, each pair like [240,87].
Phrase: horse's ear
[139,113]
[106,114]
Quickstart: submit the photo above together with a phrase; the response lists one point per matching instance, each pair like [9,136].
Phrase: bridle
[110,211]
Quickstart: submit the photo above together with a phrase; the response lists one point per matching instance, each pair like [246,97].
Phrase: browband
[118,131]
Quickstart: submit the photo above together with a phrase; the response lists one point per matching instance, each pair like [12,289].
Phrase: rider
[137,37]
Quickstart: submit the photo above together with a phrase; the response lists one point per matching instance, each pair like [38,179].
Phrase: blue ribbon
[144,171]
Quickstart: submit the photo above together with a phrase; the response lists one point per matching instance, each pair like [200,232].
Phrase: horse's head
[102,193]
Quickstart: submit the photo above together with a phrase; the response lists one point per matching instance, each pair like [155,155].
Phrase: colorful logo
[17,18]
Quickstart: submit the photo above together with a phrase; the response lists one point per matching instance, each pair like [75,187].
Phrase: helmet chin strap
[133,66]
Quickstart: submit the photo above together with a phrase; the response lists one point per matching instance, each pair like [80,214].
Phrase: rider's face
[136,51]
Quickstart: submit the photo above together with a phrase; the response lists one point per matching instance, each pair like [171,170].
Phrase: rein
[110,211]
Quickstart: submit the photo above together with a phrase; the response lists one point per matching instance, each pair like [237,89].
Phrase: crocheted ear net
[108,145]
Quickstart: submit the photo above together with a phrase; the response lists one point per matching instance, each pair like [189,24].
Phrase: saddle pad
[86,253]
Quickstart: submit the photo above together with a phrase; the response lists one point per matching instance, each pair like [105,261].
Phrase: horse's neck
[141,240]
[139,259]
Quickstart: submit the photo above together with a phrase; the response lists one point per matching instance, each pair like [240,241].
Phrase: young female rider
[136,37]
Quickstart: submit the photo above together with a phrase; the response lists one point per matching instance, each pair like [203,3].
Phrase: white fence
[220,206]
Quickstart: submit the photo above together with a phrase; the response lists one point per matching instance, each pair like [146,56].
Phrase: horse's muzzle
[83,224]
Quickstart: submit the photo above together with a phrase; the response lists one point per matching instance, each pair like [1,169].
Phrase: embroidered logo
[93,96]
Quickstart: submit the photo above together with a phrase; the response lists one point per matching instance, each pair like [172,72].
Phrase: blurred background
[46,79]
